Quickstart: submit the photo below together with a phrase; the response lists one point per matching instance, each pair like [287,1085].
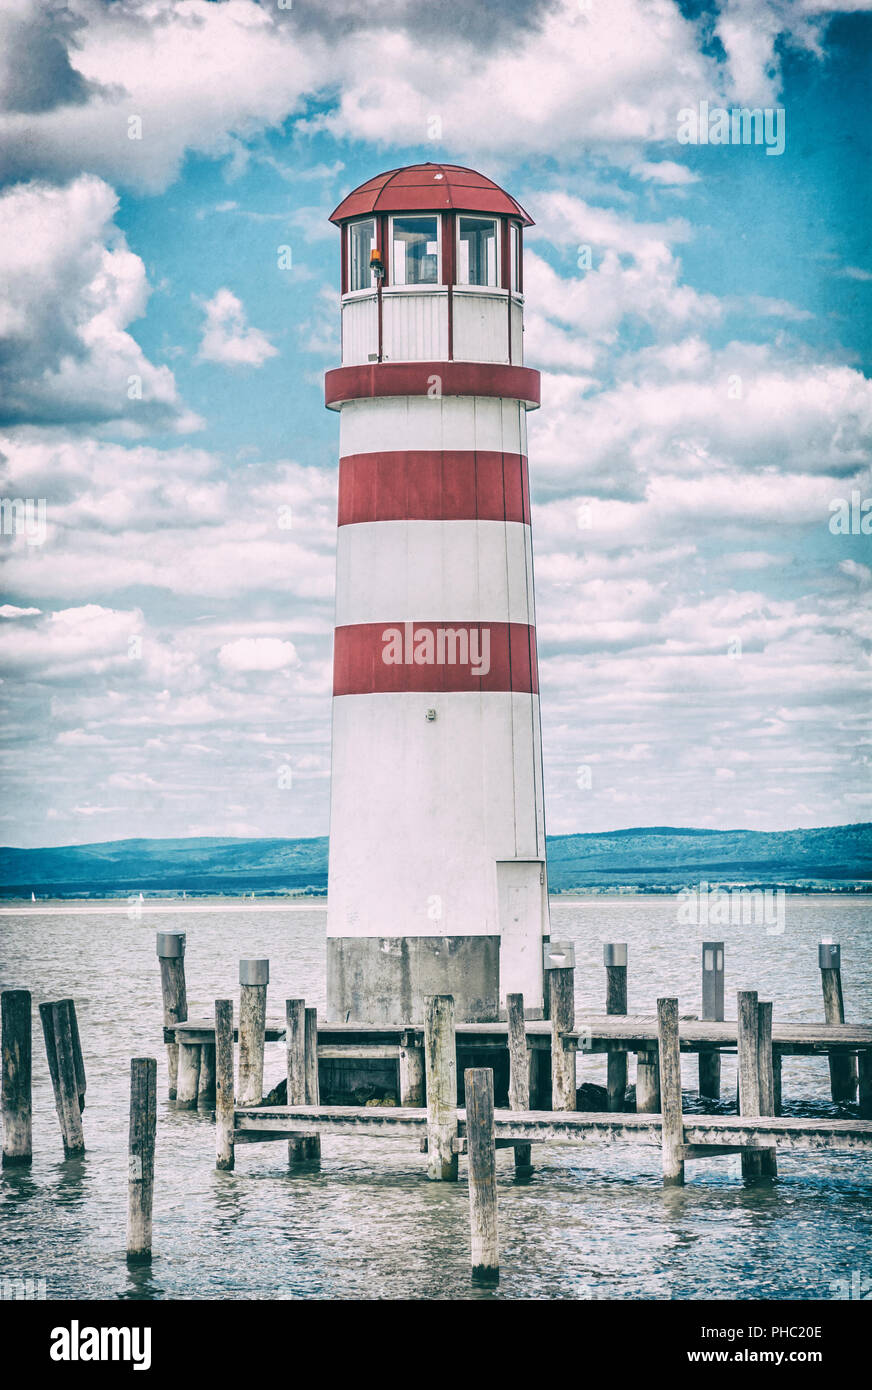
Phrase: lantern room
[432,268]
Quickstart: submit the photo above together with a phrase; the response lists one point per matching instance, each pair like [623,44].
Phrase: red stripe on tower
[429,485]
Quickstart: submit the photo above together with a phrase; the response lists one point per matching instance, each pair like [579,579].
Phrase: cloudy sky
[704,634]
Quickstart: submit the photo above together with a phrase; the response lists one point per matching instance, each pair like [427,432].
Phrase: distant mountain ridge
[654,858]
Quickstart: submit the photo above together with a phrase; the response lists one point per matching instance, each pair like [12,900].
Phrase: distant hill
[658,858]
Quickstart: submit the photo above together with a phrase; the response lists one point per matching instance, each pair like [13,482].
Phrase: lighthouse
[437,876]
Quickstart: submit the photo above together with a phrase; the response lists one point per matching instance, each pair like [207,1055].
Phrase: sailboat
[32,896]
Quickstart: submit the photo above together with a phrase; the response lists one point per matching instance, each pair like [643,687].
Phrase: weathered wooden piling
[312,1142]
[188,1076]
[749,1071]
[768,1160]
[171,954]
[864,1065]
[519,1069]
[648,1082]
[672,1123]
[481,1149]
[253,981]
[16,1081]
[295,1046]
[615,962]
[560,965]
[843,1067]
[140,1170]
[224,1103]
[206,1085]
[440,1066]
[411,1074]
[712,1011]
[59,1032]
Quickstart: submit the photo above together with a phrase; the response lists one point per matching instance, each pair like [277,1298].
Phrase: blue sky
[704,636]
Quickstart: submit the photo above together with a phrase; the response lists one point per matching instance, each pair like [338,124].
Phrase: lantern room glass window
[477,251]
[361,244]
[415,250]
[514,256]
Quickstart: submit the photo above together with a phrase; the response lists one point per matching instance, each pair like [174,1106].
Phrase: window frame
[356,222]
[515,282]
[439,282]
[496,223]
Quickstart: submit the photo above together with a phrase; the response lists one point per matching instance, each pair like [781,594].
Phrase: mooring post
[440,1066]
[560,965]
[519,1069]
[864,1064]
[312,1142]
[843,1068]
[15,1089]
[188,1077]
[140,1169]
[253,980]
[481,1149]
[171,954]
[224,1104]
[747,1012]
[615,962]
[672,1123]
[648,1082]
[712,1012]
[60,1053]
[295,1045]
[206,1085]
[765,1062]
[411,1070]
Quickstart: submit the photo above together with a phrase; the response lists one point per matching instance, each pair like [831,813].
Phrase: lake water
[591,1223]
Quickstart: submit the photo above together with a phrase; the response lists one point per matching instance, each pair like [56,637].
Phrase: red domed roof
[429,188]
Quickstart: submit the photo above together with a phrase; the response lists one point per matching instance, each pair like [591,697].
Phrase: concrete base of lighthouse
[384,980]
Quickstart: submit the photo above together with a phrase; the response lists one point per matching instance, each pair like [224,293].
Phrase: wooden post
[749,1071]
[843,1068]
[440,1066]
[295,1043]
[224,1142]
[312,1142]
[615,962]
[864,1062]
[15,1089]
[712,1011]
[484,1234]
[171,954]
[562,1021]
[60,1052]
[140,1172]
[672,1123]
[253,980]
[519,1070]
[776,1080]
[648,1082]
[206,1086]
[768,1160]
[188,1077]
[411,1072]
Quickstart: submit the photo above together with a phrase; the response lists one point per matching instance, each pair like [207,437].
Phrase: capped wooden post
[57,1030]
[648,1082]
[253,980]
[519,1070]
[560,965]
[843,1067]
[864,1064]
[411,1070]
[188,1078]
[484,1234]
[295,1044]
[15,1088]
[206,1085]
[672,1123]
[768,1160]
[615,962]
[312,1142]
[440,1066]
[712,1011]
[140,1172]
[224,1105]
[749,1071]
[171,954]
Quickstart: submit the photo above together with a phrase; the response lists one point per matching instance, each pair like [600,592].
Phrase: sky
[699,312]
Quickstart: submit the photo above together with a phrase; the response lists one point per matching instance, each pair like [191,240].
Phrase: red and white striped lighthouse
[437,879]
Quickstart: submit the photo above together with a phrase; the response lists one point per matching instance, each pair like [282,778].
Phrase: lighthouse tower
[437,879]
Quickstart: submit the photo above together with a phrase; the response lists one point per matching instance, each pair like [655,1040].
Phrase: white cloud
[227,337]
[257,654]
